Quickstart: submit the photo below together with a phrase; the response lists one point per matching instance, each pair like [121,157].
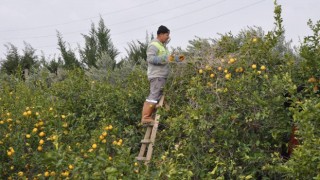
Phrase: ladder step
[146,141]
[150,124]
[141,158]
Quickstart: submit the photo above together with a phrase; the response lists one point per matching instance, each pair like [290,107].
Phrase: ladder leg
[144,146]
[161,101]
[152,138]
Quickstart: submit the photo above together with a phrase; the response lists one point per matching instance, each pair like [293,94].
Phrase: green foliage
[14,63]
[304,164]
[52,65]
[310,51]
[98,44]
[11,63]
[105,44]
[68,56]
[226,44]
[28,59]
[137,52]
[88,53]
[279,30]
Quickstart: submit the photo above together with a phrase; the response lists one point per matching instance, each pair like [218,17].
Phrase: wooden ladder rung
[141,158]
[146,141]
[148,124]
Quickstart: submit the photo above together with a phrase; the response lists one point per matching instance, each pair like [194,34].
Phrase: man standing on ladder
[158,58]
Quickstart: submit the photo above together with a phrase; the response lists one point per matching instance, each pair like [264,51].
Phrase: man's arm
[152,57]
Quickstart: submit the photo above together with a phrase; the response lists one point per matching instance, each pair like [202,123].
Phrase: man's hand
[181,58]
[173,58]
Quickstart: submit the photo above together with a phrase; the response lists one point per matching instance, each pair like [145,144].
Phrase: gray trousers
[156,89]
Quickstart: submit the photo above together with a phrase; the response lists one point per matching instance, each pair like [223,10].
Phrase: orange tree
[69,127]
[304,162]
[226,118]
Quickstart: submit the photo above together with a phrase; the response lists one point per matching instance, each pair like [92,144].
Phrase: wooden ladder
[148,141]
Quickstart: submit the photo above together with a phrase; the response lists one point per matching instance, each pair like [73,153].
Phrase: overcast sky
[36,21]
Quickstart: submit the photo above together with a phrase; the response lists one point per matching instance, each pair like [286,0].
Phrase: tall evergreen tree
[68,56]
[88,53]
[15,62]
[11,62]
[105,44]
[52,64]
[29,58]
[137,51]
[98,44]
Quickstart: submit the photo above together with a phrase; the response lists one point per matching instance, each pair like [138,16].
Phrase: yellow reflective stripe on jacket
[161,49]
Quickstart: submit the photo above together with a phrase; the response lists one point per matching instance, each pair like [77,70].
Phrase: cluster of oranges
[10,152]
[315,83]
[103,136]
[228,74]
[103,139]
[119,142]
[38,126]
